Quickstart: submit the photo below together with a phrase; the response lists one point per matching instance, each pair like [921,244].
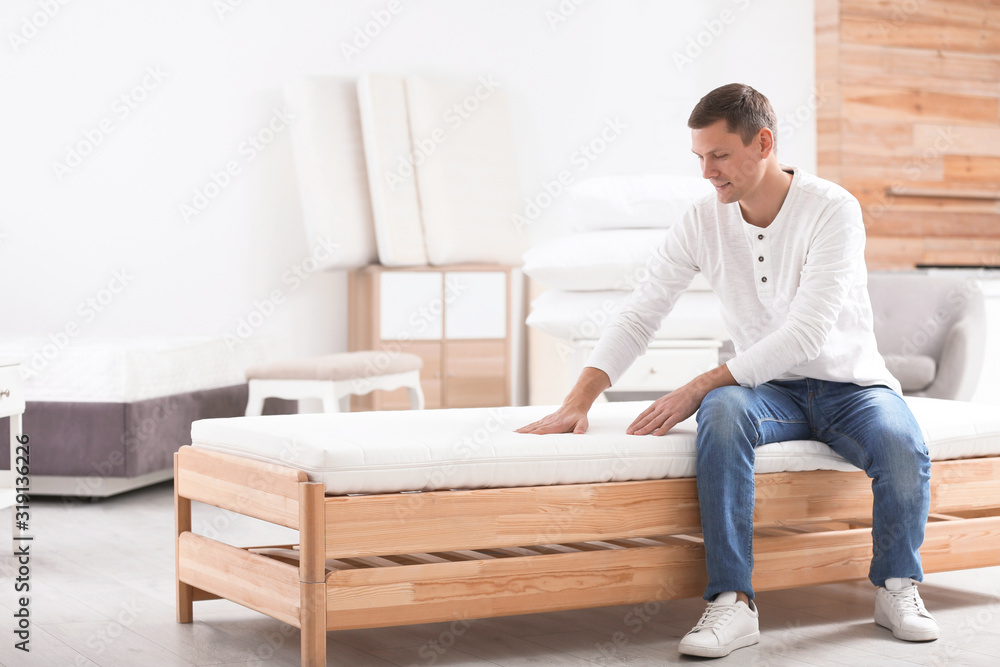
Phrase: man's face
[734,169]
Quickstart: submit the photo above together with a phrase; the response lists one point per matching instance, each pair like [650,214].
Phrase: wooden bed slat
[262,490]
[258,582]
[479,589]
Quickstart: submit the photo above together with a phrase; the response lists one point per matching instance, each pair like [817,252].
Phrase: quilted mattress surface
[384,452]
[122,370]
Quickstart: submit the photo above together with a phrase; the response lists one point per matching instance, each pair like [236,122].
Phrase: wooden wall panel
[957,13]
[952,140]
[878,58]
[903,103]
[912,126]
[905,31]
[828,116]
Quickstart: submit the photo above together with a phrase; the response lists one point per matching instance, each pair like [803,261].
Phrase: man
[784,252]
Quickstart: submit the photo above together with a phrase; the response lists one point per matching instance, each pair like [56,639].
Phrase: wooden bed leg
[313,623]
[312,574]
[182,524]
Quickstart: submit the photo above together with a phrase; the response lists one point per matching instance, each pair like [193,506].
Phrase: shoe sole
[927,636]
[721,651]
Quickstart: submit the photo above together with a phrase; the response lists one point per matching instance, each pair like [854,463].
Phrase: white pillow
[585,315]
[637,201]
[602,260]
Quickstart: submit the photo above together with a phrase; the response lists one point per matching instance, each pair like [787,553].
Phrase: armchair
[931,330]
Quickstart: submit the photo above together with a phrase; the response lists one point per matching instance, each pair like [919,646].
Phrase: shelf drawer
[475,374]
[667,369]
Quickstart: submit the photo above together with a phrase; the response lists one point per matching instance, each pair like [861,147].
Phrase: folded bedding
[386,452]
[584,315]
[633,201]
[600,260]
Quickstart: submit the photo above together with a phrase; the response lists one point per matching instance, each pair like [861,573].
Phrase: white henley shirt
[794,294]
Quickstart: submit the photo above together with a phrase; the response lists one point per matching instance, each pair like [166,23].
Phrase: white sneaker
[898,607]
[724,627]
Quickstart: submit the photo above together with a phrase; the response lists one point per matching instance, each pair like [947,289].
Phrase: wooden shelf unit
[458,319]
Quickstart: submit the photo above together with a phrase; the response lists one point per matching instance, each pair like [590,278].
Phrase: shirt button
[764,279]
[761,258]
[760,236]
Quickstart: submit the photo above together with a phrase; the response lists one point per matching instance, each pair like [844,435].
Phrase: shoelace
[907,601]
[716,613]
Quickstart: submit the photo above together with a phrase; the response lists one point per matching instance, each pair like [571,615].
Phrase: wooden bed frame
[395,559]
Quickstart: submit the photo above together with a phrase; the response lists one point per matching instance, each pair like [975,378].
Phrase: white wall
[219,79]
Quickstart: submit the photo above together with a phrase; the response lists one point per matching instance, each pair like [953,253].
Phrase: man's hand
[572,416]
[566,419]
[668,411]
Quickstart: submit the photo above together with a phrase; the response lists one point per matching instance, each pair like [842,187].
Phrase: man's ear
[765,141]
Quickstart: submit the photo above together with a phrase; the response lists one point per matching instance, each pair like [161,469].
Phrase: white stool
[334,378]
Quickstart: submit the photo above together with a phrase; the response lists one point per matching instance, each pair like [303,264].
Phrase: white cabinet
[411,306]
[458,319]
[666,365]
[478,307]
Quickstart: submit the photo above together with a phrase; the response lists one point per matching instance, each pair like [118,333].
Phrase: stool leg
[416,393]
[330,401]
[255,399]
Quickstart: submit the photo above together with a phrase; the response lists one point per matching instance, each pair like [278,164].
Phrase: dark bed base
[101,449]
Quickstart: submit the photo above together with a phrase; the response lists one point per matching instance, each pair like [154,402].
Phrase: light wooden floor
[102,593]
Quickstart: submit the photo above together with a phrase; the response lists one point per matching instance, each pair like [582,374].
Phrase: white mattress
[125,370]
[467,185]
[384,452]
[584,315]
[399,232]
[330,163]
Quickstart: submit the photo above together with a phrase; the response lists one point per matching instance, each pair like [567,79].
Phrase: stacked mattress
[615,224]
[441,182]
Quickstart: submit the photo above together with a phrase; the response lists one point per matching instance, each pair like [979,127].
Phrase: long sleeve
[793,295]
[668,273]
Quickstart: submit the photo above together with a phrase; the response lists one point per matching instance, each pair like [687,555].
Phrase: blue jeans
[871,427]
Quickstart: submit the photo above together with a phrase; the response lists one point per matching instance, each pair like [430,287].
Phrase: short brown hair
[746,111]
